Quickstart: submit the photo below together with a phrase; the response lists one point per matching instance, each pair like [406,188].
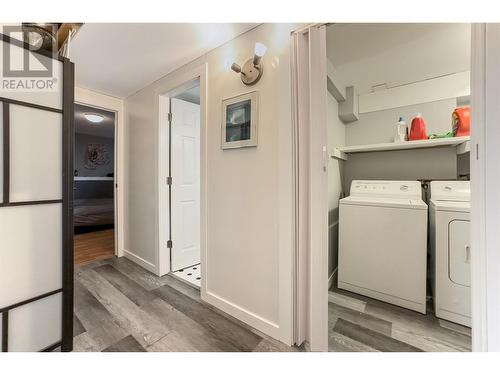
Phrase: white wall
[249,191]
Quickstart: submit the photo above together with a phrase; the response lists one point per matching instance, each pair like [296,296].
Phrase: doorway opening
[183,182]
[398,125]
[94,184]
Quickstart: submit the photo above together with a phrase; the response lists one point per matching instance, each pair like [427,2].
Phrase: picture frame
[240,116]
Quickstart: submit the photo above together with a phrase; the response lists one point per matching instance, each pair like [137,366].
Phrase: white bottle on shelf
[401,131]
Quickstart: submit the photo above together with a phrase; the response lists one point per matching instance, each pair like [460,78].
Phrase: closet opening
[94,184]
[398,124]
[182,188]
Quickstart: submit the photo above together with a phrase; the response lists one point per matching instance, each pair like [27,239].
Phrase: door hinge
[169,244]
[170,116]
[169,180]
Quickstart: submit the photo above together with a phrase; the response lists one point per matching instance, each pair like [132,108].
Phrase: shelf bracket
[463,148]
[337,154]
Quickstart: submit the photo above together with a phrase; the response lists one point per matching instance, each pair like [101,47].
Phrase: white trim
[300,75]
[477,169]
[106,102]
[266,326]
[140,261]
[173,84]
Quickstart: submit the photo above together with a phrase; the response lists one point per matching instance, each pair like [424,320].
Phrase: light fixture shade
[94,117]
[260,49]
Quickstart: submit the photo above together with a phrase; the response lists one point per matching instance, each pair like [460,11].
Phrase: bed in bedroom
[93,203]
[91,212]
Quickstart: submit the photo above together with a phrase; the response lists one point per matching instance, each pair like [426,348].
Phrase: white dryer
[449,219]
[383,242]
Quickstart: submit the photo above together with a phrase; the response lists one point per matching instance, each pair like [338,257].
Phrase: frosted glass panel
[35,154]
[31,251]
[35,326]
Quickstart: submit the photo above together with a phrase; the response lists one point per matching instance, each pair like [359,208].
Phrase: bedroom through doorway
[94,184]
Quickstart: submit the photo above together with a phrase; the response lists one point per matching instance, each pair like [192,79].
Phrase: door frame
[177,83]
[310,256]
[100,101]
[485,201]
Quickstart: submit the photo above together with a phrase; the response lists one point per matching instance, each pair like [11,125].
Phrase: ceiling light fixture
[94,117]
[252,69]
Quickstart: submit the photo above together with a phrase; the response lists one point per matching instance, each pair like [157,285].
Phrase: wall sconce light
[252,69]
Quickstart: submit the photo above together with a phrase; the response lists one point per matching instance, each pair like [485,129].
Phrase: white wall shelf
[462,144]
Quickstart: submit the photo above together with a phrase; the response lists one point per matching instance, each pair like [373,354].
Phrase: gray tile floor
[359,324]
[120,307]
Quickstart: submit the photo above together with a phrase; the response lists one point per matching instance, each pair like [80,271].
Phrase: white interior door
[185,172]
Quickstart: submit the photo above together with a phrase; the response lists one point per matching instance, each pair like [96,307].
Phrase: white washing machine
[449,223]
[383,242]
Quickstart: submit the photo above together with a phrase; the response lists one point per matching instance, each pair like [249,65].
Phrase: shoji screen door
[36,241]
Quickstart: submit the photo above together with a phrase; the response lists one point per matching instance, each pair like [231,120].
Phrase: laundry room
[399,187]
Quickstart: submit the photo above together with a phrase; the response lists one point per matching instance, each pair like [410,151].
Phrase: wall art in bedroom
[97,155]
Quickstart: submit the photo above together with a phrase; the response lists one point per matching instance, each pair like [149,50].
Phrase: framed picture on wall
[240,116]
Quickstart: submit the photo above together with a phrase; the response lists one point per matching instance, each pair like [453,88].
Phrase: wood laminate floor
[361,324]
[120,307]
[93,246]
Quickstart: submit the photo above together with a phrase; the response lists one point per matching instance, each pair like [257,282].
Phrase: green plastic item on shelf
[444,135]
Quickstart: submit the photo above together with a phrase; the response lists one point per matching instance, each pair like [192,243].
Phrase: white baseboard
[269,328]
[141,262]
[331,278]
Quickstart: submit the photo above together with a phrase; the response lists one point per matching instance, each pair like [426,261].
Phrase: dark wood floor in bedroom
[361,324]
[120,307]
[95,245]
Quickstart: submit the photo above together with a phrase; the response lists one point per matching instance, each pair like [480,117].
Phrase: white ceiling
[120,59]
[105,128]
[366,55]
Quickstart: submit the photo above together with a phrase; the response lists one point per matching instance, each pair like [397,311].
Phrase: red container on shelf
[461,121]
[417,129]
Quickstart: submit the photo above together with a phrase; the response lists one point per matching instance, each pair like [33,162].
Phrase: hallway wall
[249,190]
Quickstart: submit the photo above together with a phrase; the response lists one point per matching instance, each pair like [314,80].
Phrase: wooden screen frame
[67,111]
